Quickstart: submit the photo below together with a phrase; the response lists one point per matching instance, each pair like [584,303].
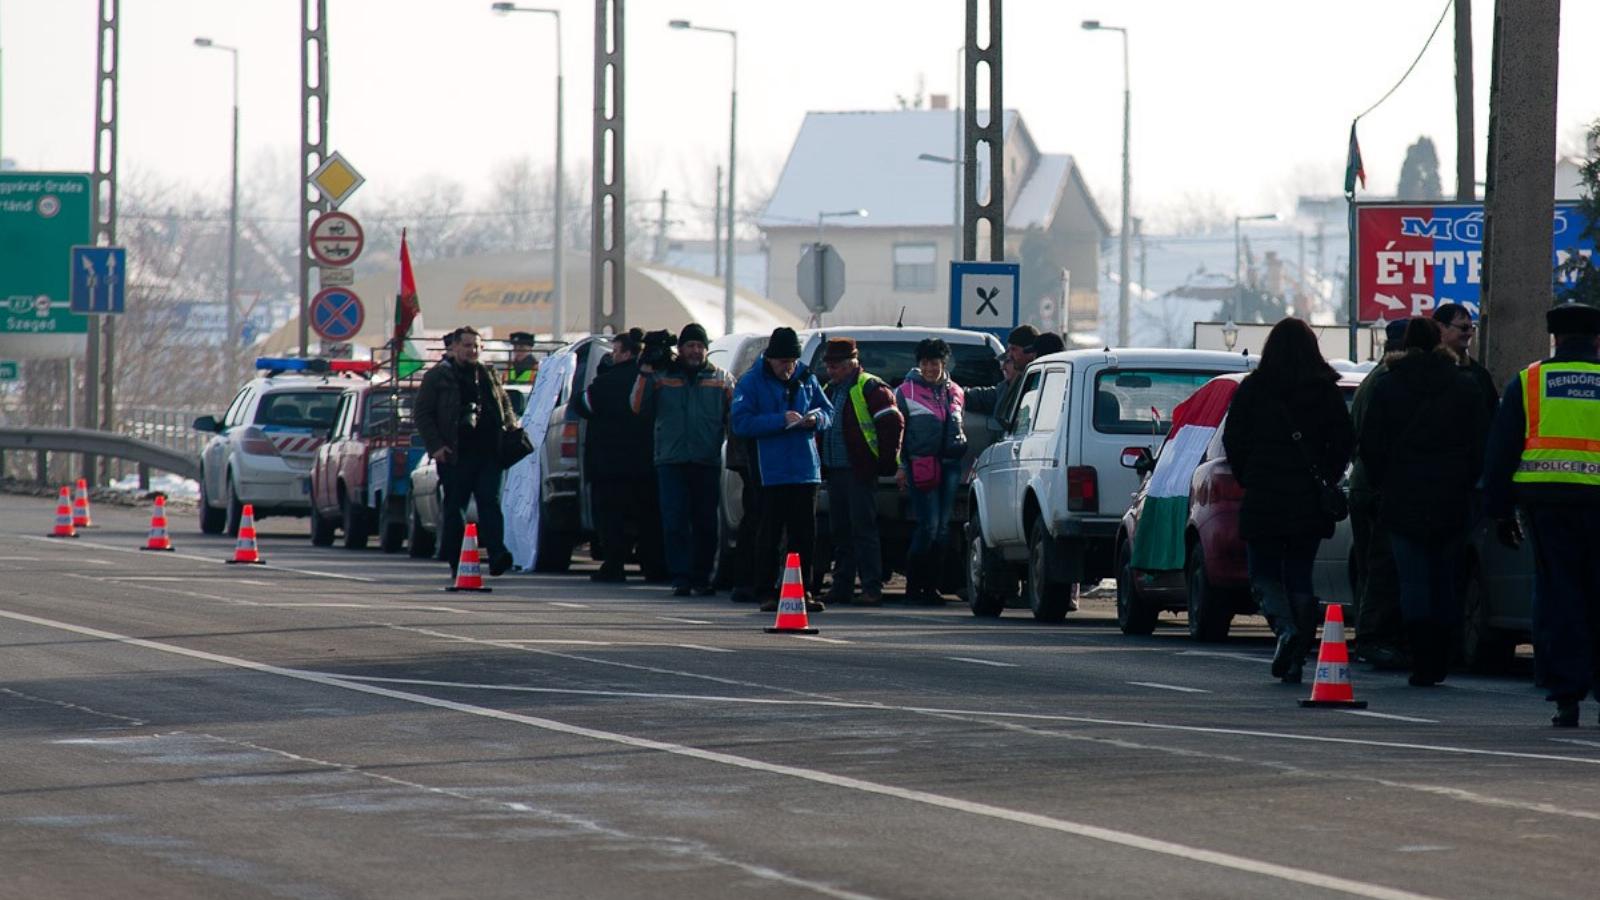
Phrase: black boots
[1305,610]
[1430,653]
[1566,714]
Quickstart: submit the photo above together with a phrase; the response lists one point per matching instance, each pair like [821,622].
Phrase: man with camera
[618,453]
[689,399]
[461,412]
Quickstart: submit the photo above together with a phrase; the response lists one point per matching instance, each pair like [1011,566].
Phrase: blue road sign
[336,314]
[99,280]
[984,296]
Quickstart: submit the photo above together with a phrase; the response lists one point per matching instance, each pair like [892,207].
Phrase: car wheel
[1135,615]
[212,520]
[984,590]
[322,528]
[356,526]
[233,508]
[1049,600]
[391,526]
[1210,613]
[1484,648]
[419,540]
[555,548]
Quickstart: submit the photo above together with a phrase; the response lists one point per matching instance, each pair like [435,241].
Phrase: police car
[261,450]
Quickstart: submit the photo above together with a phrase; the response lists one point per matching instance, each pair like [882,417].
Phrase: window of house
[913,267]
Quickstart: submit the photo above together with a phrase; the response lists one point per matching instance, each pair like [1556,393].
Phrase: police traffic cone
[159,539]
[468,575]
[64,527]
[1332,686]
[792,602]
[80,506]
[245,551]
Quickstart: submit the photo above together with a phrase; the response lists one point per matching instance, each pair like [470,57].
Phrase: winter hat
[1022,336]
[932,348]
[1047,343]
[1573,317]
[693,331]
[784,344]
[839,350]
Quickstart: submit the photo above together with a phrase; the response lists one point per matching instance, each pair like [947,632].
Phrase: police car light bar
[276,364]
[361,366]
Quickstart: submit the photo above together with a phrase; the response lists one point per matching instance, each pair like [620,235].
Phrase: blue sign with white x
[336,314]
[99,280]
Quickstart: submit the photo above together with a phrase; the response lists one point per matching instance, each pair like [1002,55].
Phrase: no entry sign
[336,239]
[336,314]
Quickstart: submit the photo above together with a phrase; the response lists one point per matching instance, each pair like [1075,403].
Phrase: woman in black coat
[1422,444]
[1287,435]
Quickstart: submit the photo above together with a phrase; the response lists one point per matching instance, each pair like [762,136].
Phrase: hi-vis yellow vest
[1561,443]
[858,401]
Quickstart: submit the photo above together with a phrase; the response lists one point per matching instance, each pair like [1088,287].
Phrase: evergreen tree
[1578,278]
[1419,174]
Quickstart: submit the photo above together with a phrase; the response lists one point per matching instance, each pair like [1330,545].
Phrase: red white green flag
[407,312]
[1353,169]
[1158,544]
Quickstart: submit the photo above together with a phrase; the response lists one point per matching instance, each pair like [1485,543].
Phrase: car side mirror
[1138,459]
[207,423]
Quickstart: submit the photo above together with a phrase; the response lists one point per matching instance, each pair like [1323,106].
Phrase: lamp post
[841,214]
[955,237]
[1127,182]
[1230,334]
[230,341]
[1238,256]
[733,150]
[558,245]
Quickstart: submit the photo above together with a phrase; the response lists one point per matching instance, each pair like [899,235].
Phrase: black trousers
[738,571]
[1566,603]
[788,525]
[471,478]
[629,517]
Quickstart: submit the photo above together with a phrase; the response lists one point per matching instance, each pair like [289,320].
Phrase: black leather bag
[515,446]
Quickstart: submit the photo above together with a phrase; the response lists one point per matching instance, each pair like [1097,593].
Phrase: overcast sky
[1244,100]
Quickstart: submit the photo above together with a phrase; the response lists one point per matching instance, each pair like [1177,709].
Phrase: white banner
[520,497]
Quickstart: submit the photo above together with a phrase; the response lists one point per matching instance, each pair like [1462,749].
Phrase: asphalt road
[334,725]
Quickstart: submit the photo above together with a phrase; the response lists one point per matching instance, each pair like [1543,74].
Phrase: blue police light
[279,364]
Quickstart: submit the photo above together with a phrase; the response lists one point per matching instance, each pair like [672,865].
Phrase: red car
[372,424]
[1213,585]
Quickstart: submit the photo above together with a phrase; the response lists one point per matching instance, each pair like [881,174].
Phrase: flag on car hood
[1158,543]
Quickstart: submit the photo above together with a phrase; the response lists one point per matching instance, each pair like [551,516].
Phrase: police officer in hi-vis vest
[1544,456]
[524,365]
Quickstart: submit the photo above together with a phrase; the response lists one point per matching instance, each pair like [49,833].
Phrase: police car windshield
[298,409]
[971,365]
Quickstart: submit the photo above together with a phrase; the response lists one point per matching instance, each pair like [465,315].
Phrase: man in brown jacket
[863,445]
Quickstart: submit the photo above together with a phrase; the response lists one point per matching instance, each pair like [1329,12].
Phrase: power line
[1410,68]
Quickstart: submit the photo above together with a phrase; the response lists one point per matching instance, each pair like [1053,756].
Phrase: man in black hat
[524,365]
[1544,457]
[689,400]
[862,445]
[619,456]
[1019,353]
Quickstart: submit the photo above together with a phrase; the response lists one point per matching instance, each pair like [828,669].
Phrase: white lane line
[204,559]
[983,662]
[1168,687]
[820,640]
[20,559]
[685,621]
[1242,657]
[560,641]
[1378,715]
[704,648]
[565,605]
[1291,874]
[1580,743]
[93,562]
[153,578]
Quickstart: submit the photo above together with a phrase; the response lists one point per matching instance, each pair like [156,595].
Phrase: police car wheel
[212,519]
[234,508]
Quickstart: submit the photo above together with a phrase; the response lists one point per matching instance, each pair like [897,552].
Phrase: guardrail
[170,428]
[44,441]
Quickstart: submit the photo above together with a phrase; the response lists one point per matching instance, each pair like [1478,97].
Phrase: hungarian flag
[407,310]
[1158,544]
[1352,164]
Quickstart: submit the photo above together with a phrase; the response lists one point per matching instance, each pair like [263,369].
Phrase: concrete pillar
[1518,277]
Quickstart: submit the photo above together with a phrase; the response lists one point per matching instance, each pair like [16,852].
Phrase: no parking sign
[336,314]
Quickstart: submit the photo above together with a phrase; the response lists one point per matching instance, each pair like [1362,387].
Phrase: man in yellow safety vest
[863,445]
[524,365]
[1544,457]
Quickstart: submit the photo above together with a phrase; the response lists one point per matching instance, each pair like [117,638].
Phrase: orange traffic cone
[792,602]
[159,539]
[1332,686]
[469,577]
[80,506]
[245,551]
[64,527]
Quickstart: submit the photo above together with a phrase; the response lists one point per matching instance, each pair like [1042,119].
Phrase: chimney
[938,101]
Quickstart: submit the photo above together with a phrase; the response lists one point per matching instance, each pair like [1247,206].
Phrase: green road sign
[42,216]
[8,370]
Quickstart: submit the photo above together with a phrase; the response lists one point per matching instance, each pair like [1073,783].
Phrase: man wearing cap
[524,365]
[1380,633]
[689,400]
[619,457]
[863,444]
[780,406]
[1544,457]
[1019,353]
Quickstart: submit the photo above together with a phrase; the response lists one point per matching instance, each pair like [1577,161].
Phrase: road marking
[94,562]
[983,662]
[1291,874]
[20,559]
[562,641]
[704,648]
[1220,655]
[820,640]
[1580,743]
[684,621]
[204,559]
[1378,715]
[289,604]
[565,605]
[150,578]
[1422,848]
[1169,687]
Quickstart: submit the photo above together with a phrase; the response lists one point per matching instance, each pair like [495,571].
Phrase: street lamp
[1127,181]
[230,341]
[1238,255]
[841,214]
[558,269]
[955,217]
[733,150]
[1230,334]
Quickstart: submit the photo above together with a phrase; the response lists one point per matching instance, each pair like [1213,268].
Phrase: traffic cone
[792,602]
[159,539]
[64,527]
[468,575]
[1332,686]
[80,506]
[245,551]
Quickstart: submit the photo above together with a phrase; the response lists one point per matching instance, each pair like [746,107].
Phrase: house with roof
[897,256]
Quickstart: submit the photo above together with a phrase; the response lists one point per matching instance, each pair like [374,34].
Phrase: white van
[1049,493]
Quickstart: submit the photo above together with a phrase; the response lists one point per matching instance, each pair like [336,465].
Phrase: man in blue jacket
[779,405]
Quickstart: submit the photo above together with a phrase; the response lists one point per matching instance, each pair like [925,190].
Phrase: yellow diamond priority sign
[336,179]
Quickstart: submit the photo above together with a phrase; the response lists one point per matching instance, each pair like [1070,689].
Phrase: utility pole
[991,136]
[313,141]
[608,230]
[716,230]
[1466,163]
[100,380]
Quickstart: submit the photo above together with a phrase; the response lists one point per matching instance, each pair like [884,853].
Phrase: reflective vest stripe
[858,400]
[1558,447]
[1530,399]
[1554,443]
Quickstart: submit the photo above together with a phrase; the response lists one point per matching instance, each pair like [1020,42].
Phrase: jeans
[1430,580]
[788,522]
[932,509]
[853,521]
[1280,568]
[689,520]
[471,478]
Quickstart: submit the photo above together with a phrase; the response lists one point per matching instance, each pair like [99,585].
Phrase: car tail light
[569,441]
[1083,489]
[255,442]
